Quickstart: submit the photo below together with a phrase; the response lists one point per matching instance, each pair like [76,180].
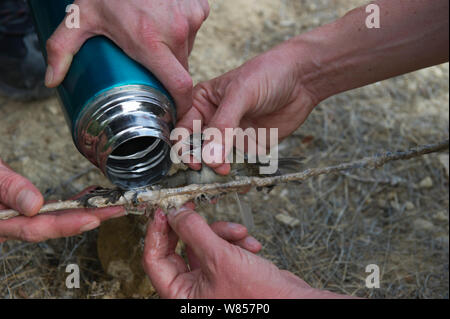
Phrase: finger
[229,231]
[160,261]
[63,45]
[198,16]
[231,107]
[49,226]
[223,169]
[205,100]
[249,243]
[19,193]
[203,109]
[161,61]
[197,234]
[102,214]
[77,196]
[181,53]
[187,122]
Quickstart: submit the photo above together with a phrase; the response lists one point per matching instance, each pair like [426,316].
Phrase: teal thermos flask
[119,114]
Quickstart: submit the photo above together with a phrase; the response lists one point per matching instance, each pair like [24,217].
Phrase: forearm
[289,286]
[346,54]
[312,293]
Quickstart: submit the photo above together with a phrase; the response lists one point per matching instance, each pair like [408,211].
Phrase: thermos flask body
[119,114]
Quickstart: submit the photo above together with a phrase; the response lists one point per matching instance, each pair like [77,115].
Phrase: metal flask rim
[128,116]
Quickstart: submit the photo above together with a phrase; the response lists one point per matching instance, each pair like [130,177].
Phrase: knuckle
[146,33]
[201,92]
[148,258]
[54,45]
[152,45]
[206,8]
[180,31]
[191,219]
[8,180]
[30,234]
[198,17]
[183,84]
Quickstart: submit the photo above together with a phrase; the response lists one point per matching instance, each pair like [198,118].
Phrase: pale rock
[395,205]
[409,206]
[53,109]
[441,216]
[423,224]
[287,23]
[427,182]
[287,220]
[284,193]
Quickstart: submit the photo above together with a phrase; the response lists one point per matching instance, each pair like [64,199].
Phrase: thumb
[61,48]
[18,193]
[195,232]
[219,142]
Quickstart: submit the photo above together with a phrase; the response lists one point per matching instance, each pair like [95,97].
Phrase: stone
[409,206]
[423,224]
[287,220]
[427,182]
[441,216]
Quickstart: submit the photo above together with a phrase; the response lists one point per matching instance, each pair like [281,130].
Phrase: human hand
[221,263]
[18,193]
[158,34]
[265,92]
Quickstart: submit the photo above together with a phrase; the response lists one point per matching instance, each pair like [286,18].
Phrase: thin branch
[175,197]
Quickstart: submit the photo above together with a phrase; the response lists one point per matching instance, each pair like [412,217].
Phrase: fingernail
[213,153]
[172,212]
[90,226]
[27,201]
[235,226]
[49,76]
[251,241]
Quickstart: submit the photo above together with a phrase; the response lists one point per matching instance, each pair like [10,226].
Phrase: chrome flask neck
[125,131]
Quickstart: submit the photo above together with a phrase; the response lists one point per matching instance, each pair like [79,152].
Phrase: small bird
[120,241]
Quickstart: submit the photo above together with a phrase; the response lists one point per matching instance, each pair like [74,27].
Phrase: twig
[175,197]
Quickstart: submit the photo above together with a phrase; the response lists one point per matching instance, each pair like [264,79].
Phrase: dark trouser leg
[22,66]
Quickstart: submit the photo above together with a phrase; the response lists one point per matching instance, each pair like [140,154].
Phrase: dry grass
[347,221]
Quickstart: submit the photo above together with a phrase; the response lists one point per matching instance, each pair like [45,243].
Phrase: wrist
[324,62]
[298,291]
[296,288]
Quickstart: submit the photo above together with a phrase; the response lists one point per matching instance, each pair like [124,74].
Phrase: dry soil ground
[395,217]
